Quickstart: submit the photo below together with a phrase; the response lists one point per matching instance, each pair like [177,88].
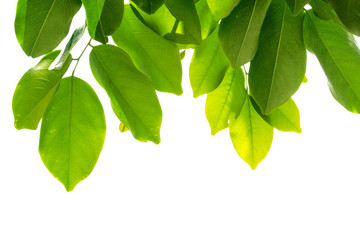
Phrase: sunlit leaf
[221,9]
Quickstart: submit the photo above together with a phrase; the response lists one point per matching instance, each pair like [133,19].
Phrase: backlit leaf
[149,6]
[251,135]
[132,94]
[221,9]
[226,101]
[72,132]
[35,91]
[208,66]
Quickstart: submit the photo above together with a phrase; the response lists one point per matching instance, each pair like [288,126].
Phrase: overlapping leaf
[41,25]
[239,32]
[72,132]
[35,91]
[157,57]
[185,12]
[226,101]
[349,13]
[221,9]
[278,68]
[149,6]
[208,66]
[132,94]
[339,56]
[297,6]
[103,17]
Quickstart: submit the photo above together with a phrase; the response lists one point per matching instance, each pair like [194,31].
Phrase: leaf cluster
[249,58]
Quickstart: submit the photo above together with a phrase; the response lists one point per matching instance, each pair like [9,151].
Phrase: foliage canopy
[151,37]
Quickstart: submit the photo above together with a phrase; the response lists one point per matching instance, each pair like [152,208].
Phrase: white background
[193,185]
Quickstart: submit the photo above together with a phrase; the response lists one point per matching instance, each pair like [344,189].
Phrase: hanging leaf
[103,17]
[208,66]
[72,132]
[349,13]
[35,91]
[157,57]
[132,94]
[285,118]
[278,68]
[149,6]
[297,6]
[41,25]
[323,10]
[221,9]
[251,135]
[226,101]
[207,22]
[75,37]
[185,12]
[239,32]
[339,56]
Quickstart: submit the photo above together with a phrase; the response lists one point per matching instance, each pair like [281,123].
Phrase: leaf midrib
[42,27]
[146,127]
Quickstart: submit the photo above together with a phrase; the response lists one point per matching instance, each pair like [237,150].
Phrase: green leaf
[239,32]
[251,135]
[72,132]
[41,25]
[75,37]
[157,57]
[149,6]
[208,66]
[221,9]
[278,68]
[132,94]
[35,91]
[161,22]
[297,6]
[207,22]
[339,56]
[323,10]
[285,118]
[226,101]
[103,17]
[349,13]
[186,13]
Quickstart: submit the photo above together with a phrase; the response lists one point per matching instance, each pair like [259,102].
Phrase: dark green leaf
[349,13]
[75,37]
[251,135]
[339,56]
[221,9]
[226,101]
[149,6]
[41,25]
[297,6]
[72,132]
[103,17]
[285,118]
[208,66]
[132,94]
[278,68]
[186,13]
[323,10]
[35,91]
[239,32]
[157,57]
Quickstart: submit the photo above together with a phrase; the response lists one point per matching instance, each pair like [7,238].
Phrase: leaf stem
[176,24]
[246,79]
[78,59]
